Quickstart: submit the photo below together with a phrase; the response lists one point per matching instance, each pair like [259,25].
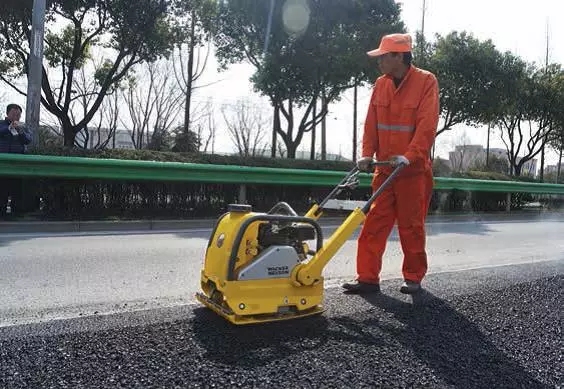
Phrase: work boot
[358,287]
[410,287]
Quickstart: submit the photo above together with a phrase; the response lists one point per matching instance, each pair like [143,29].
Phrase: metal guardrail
[134,170]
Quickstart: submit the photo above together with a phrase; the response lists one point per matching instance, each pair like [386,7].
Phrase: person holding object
[13,139]
[13,136]
[400,127]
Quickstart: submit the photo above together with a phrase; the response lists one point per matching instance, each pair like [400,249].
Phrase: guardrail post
[508,202]
[242,194]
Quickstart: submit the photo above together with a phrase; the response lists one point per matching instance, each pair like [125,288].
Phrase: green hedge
[216,159]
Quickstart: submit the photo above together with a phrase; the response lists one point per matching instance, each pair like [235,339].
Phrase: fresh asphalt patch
[486,328]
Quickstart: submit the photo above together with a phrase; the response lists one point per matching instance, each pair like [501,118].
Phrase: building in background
[466,157]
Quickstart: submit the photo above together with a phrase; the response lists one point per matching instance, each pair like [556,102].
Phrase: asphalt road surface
[44,277]
[497,327]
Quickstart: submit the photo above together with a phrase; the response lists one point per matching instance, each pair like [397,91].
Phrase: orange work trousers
[405,200]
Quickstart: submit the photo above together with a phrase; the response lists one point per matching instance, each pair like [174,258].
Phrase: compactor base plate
[256,319]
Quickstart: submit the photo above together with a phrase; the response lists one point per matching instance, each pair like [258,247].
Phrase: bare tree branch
[154,104]
[247,128]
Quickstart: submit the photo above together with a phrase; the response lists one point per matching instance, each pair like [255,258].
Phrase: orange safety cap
[392,43]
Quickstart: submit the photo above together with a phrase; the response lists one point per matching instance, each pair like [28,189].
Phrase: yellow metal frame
[310,273]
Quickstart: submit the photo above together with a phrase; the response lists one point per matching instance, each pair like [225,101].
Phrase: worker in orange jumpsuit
[400,127]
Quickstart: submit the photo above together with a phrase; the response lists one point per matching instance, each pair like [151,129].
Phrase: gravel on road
[473,329]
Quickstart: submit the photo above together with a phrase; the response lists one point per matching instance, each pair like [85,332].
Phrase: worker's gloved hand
[364,163]
[399,160]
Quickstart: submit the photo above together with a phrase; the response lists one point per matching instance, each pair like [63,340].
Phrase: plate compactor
[259,268]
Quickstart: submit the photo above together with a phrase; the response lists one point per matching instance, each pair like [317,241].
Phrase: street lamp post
[35,68]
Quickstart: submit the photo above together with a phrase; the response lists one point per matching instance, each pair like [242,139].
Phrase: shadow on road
[428,332]
[449,343]
[259,344]
[251,346]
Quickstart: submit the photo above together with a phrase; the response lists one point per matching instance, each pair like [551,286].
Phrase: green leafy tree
[556,137]
[160,140]
[495,164]
[185,141]
[441,168]
[529,109]
[469,74]
[308,51]
[129,32]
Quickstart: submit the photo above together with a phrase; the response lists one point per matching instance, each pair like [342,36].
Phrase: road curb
[98,226]
[18,227]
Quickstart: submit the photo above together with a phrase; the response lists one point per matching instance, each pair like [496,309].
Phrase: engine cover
[273,262]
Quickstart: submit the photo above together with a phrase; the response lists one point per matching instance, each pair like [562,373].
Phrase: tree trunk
[324,132]
[355,110]
[69,136]
[291,149]
[541,173]
[190,76]
[314,114]
[517,169]
[559,165]
[488,147]
[275,127]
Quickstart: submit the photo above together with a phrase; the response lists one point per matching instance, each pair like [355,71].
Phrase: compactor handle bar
[351,181]
[380,163]
[381,188]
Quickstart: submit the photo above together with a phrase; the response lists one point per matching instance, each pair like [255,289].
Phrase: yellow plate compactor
[259,268]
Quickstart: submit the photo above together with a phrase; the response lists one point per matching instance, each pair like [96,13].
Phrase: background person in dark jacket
[13,139]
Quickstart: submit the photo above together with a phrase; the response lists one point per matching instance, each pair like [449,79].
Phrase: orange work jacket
[403,120]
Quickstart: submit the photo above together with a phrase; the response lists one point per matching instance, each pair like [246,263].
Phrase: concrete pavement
[49,276]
